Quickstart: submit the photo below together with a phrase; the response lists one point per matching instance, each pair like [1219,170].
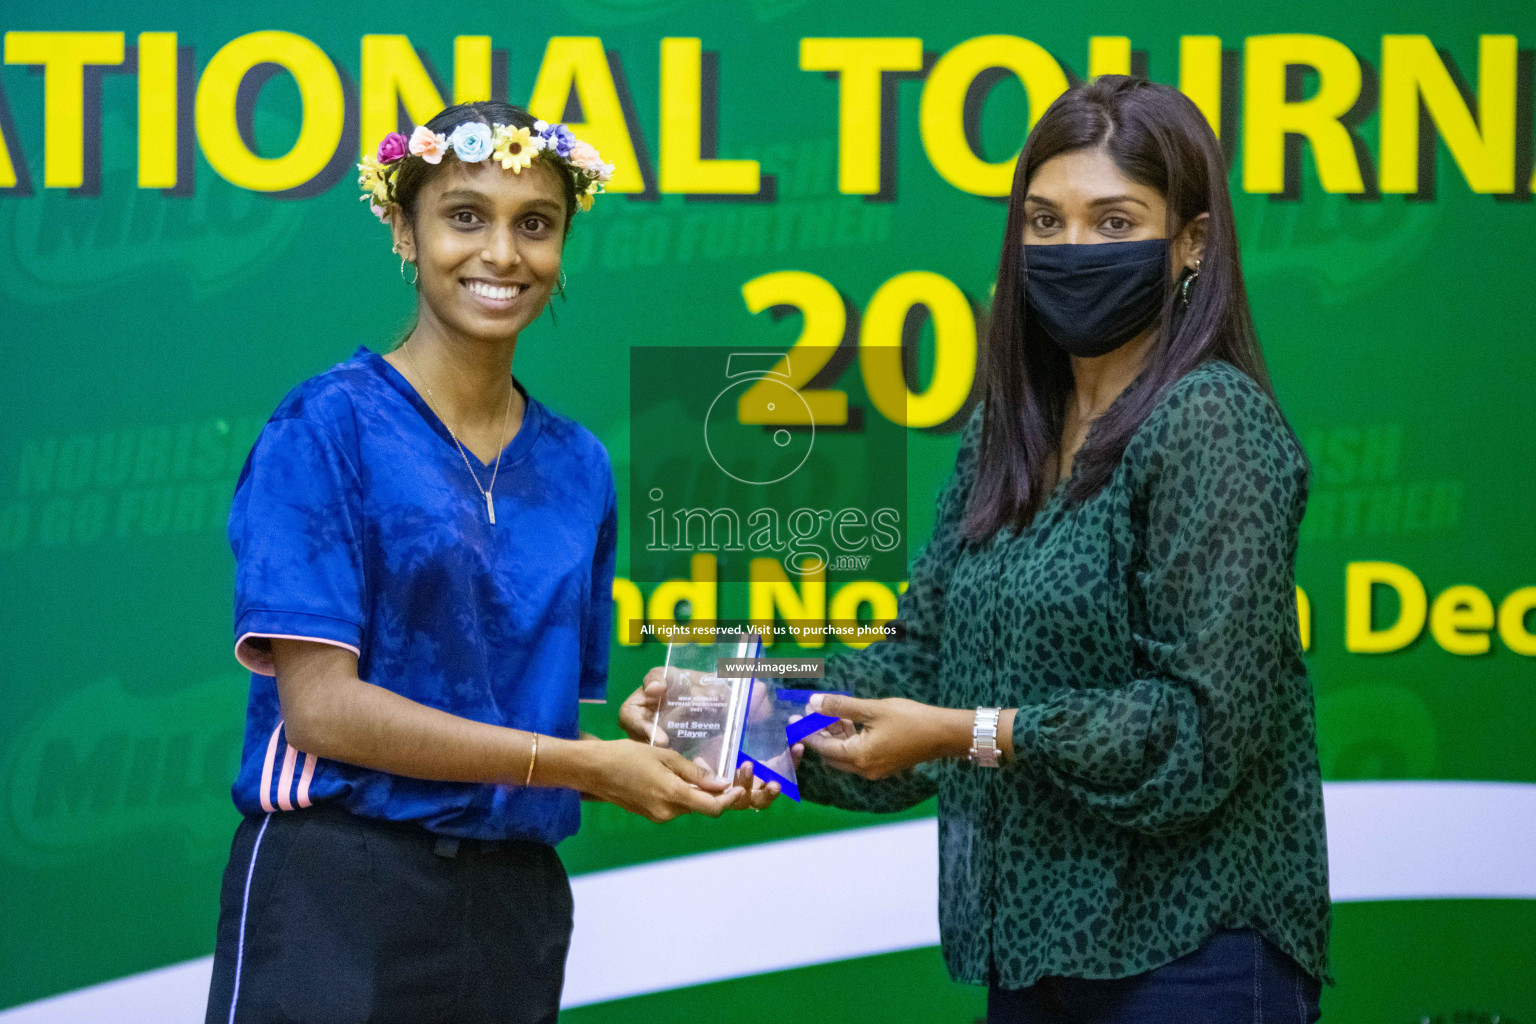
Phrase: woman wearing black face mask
[1101,677]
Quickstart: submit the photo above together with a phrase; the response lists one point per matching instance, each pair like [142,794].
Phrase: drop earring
[1188,280]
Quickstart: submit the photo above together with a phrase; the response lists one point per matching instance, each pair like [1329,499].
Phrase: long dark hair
[416,173]
[1156,137]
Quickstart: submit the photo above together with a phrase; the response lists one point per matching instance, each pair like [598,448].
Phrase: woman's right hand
[637,716]
[654,782]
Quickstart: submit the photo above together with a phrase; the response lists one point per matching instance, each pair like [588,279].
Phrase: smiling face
[487,243]
[1082,198]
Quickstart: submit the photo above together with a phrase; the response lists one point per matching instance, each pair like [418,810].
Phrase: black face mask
[1091,299]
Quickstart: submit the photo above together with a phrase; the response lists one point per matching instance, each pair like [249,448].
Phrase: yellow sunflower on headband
[515,148]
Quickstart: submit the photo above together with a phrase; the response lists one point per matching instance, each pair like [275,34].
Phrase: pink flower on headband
[393,148]
[428,145]
[583,155]
[585,159]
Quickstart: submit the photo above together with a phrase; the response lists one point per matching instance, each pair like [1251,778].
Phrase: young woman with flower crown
[424,563]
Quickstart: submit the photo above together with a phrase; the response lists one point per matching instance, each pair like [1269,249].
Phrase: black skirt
[330,918]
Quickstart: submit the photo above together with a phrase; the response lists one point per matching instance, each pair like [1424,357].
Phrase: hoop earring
[560,287]
[1184,288]
[415,277]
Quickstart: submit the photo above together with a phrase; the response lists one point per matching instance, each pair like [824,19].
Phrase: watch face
[759,452]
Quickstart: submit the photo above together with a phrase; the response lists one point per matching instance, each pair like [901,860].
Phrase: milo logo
[106,764]
[1345,246]
[64,245]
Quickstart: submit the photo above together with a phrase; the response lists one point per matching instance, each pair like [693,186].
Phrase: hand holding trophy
[711,703]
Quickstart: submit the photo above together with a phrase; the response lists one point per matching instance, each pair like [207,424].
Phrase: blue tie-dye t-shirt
[356,523]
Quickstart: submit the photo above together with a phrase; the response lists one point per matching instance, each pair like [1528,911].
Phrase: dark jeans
[1236,977]
[329,918]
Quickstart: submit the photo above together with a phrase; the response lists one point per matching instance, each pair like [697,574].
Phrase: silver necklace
[490,505]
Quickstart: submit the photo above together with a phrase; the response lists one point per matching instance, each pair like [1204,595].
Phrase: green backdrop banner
[182,243]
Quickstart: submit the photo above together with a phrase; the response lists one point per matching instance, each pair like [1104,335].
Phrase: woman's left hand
[894,734]
[754,794]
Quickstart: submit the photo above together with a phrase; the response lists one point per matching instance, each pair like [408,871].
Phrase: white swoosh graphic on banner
[874,890]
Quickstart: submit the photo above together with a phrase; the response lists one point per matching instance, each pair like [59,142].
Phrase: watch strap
[984,750]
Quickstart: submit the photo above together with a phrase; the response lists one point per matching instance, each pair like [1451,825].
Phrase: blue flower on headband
[557,137]
[471,142]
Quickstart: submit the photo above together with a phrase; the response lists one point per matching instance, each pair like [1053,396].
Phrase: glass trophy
[701,713]
[719,712]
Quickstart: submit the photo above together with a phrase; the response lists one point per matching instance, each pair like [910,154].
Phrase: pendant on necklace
[490,509]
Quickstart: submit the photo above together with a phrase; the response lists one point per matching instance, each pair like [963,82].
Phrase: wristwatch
[984,750]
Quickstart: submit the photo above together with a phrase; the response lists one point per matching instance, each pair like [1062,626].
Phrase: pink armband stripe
[266,770]
[309,773]
[290,758]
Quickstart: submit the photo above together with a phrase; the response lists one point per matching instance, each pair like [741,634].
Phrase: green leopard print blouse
[1165,782]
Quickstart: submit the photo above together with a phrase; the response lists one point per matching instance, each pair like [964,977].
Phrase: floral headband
[474,142]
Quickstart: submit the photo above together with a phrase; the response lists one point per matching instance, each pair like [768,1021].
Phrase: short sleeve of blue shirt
[356,522]
[299,548]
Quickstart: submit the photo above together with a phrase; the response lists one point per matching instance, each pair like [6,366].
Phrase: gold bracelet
[532,759]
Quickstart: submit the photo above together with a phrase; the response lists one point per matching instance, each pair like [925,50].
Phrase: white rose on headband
[471,142]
